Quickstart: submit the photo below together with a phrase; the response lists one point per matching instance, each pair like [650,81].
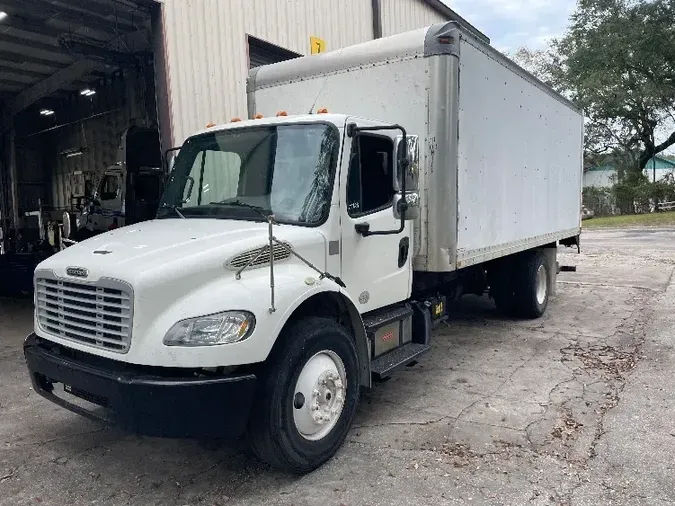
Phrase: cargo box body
[501,152]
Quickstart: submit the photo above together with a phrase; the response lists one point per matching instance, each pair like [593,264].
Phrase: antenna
[323,85]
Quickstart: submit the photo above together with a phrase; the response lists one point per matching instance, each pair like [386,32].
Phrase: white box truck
[301,254]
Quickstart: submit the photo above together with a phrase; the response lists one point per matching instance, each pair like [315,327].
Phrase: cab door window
[370,178]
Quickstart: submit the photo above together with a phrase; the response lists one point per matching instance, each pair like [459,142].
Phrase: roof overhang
[451,15]
[52,47]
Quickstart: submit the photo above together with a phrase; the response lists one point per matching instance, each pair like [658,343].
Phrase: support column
[12,193]
[162,77]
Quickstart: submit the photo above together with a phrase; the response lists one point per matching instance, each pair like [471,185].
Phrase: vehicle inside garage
[78,114]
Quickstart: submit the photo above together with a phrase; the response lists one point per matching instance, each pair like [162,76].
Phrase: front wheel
[307,397]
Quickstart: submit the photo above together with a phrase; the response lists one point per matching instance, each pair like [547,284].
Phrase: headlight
[222,328]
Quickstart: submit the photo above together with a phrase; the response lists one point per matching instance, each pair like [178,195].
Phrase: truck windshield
[284,170]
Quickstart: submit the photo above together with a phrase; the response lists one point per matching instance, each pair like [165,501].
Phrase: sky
[511,24]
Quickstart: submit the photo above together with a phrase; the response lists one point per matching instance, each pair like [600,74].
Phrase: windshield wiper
[174,209]
[264,213]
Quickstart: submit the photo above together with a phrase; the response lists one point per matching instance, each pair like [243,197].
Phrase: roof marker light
[258,116]
[282,113]
[323,110]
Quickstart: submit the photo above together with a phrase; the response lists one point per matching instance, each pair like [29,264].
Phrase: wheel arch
[339,307]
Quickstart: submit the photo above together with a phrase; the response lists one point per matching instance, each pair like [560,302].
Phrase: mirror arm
[352,131]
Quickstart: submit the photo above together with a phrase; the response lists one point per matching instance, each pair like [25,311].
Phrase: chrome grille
[243,259]
[95,315]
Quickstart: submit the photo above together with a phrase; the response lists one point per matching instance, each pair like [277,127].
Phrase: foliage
[541,63]
[599,200]
[634,195]
[617,62]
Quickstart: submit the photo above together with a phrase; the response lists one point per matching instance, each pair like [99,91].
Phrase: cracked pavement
[573,409]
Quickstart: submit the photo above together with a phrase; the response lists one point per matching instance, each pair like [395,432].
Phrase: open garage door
[75,76]
[263,53]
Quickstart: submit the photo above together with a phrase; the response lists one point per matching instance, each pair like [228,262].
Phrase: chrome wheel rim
[319,395]
[541,284]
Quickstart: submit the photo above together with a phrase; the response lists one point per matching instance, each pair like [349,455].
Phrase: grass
[665,219]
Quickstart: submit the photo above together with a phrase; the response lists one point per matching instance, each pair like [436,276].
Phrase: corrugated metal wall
[206,46]
[124,101]
[403,15]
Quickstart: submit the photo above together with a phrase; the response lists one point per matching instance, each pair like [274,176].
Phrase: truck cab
[127,191]
[106,209]
[271,234]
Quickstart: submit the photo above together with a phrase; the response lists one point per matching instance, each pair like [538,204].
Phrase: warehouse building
[90,85]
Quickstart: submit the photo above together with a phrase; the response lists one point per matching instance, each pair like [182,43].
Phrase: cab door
[107,210]
[375,268]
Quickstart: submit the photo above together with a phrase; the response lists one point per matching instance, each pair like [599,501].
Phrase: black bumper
[144,400]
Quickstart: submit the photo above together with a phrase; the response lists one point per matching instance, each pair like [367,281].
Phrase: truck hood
[182,245]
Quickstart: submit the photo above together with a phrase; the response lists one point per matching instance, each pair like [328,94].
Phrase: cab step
[384,365]
[379,319]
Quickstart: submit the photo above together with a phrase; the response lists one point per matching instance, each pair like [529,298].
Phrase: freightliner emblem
[78,272]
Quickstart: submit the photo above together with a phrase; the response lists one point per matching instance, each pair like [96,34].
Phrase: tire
[280,416]
[532,285]
[501,288]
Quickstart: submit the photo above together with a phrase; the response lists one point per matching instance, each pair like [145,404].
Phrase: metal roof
[441,7]
[48,47]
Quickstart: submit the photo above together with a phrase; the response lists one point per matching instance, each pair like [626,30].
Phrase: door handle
[362,228]
[403,251]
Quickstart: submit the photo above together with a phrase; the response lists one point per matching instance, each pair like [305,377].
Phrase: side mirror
[412,211]
[411,150]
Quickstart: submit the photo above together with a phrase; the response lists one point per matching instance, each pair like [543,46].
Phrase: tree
[541,63]
[617,62]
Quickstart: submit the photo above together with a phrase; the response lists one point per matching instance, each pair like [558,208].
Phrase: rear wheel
[532,287]
[307,397]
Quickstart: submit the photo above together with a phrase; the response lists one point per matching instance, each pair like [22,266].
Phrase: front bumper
[146,400]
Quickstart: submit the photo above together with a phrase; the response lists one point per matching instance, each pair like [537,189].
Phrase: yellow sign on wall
[317,45]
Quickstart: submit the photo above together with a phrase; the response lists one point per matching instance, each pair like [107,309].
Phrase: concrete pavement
[572,409]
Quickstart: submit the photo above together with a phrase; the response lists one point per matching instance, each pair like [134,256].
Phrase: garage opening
[262,53]
[77,111]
